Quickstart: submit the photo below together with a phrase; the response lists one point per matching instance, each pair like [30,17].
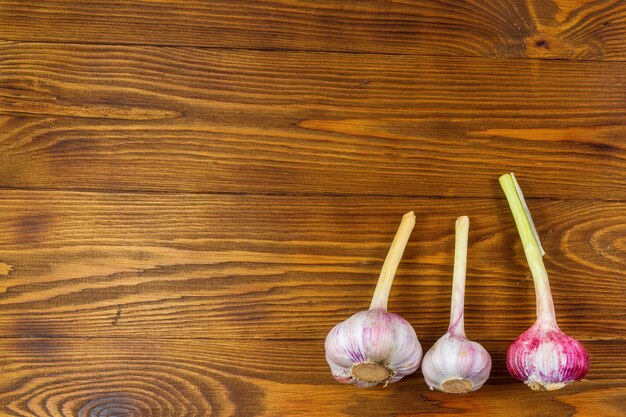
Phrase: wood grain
[565,29]
[185,119]
[124,264]
[193,193]
[134,377]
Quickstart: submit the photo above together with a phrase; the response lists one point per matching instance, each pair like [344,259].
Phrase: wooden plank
[566,29]
[193,120]
[97,264]
[190,204]
[61,377]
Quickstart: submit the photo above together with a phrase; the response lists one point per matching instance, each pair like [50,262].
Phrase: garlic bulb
[543,357]
[375,346]
[455,364]
[547,359]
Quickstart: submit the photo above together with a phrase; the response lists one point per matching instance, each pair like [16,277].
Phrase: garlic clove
[547,359]
[372,347]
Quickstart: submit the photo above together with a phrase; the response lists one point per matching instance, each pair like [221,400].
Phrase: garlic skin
[456,365]
[372,347]
[547,359]
[375,346]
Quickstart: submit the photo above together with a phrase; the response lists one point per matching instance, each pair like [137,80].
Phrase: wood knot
[546,45]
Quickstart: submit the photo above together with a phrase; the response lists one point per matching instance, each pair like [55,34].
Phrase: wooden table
[193,193]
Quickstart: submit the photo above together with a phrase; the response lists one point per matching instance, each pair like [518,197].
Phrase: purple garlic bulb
[543,357]
[547,359]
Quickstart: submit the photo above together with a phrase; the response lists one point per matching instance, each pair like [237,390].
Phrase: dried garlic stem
[383,287]
[457,325]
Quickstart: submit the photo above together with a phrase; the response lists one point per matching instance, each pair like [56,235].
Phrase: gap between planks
[149,192]
[307,51]
[617,340]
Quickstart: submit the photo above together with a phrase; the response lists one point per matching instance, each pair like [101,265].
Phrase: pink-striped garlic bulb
[375,346]
[543,357]
[455,364]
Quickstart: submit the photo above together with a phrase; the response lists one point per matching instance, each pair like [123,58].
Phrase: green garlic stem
[457,325]
[390,266]
[532,249]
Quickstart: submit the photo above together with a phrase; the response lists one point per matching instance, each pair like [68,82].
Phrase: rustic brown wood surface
[187,119]
[578,29]
[193,193]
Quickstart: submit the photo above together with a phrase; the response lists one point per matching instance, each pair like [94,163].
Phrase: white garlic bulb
[455,364]
[372,347]
[375,346]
